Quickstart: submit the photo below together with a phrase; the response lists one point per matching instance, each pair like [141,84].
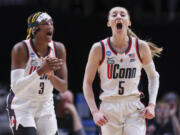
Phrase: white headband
[43,16]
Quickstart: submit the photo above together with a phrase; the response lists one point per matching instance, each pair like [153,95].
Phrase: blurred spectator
[4,126]
[68,119]
[173,100]
[165,122]
[85,115]
[171,8]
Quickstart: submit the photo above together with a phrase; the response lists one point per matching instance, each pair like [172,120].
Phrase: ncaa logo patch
[32,55]
[108,53]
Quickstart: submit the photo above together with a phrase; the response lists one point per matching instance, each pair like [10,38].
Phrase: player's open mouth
[119,25]
[49,33]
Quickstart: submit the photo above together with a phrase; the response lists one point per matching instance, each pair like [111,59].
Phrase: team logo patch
[108,53]
[110,61]
[32,55]
[34,63]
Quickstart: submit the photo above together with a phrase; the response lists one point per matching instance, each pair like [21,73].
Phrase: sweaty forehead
[118,9]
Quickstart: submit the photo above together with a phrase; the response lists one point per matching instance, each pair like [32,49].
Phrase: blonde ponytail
[155,51]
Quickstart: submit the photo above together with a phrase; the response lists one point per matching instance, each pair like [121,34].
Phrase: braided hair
[31,21]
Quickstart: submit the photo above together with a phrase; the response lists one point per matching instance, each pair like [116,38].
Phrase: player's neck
[40,47]
[119,41]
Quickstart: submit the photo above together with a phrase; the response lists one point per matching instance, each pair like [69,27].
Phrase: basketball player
[38,64]
[119,60]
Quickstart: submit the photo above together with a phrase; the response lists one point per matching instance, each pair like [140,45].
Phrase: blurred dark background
[80,23]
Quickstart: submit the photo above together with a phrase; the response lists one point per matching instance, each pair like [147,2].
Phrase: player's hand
[173,110]
[69,108]
[47,73]
[149,111]
[54,63]
[99,118]
[49,64]
[50,73]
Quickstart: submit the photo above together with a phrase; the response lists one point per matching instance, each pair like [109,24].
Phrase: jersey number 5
[41,91]
[121,89]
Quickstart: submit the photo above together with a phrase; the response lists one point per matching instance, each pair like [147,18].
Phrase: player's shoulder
[143,45]
[100,43]
[60,49]
[59,46]
[19,51]
[96,47]
[19,47]
[144,48]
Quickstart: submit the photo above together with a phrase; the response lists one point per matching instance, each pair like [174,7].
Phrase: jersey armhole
[137,50]
[54,46]
[27,50]
[103,52]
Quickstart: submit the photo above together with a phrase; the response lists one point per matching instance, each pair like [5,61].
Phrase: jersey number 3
[41,91]
[121,89]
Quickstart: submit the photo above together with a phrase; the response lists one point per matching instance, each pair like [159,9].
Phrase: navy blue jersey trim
[110,46]
[129,45]
[137,49]
[35,50]
[27,50]
[114,51]
[11,113]
[55,50]
[10,99]
[103,55]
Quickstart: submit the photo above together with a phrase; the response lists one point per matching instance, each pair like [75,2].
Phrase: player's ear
[33,30]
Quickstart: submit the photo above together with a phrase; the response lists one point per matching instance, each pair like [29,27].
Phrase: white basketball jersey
[120,73]
[41,89]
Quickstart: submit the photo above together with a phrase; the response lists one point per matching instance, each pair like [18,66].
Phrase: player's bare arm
[18,56]
[153,79]
[145,52]
[90,72]
[94,59]
[59,79]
